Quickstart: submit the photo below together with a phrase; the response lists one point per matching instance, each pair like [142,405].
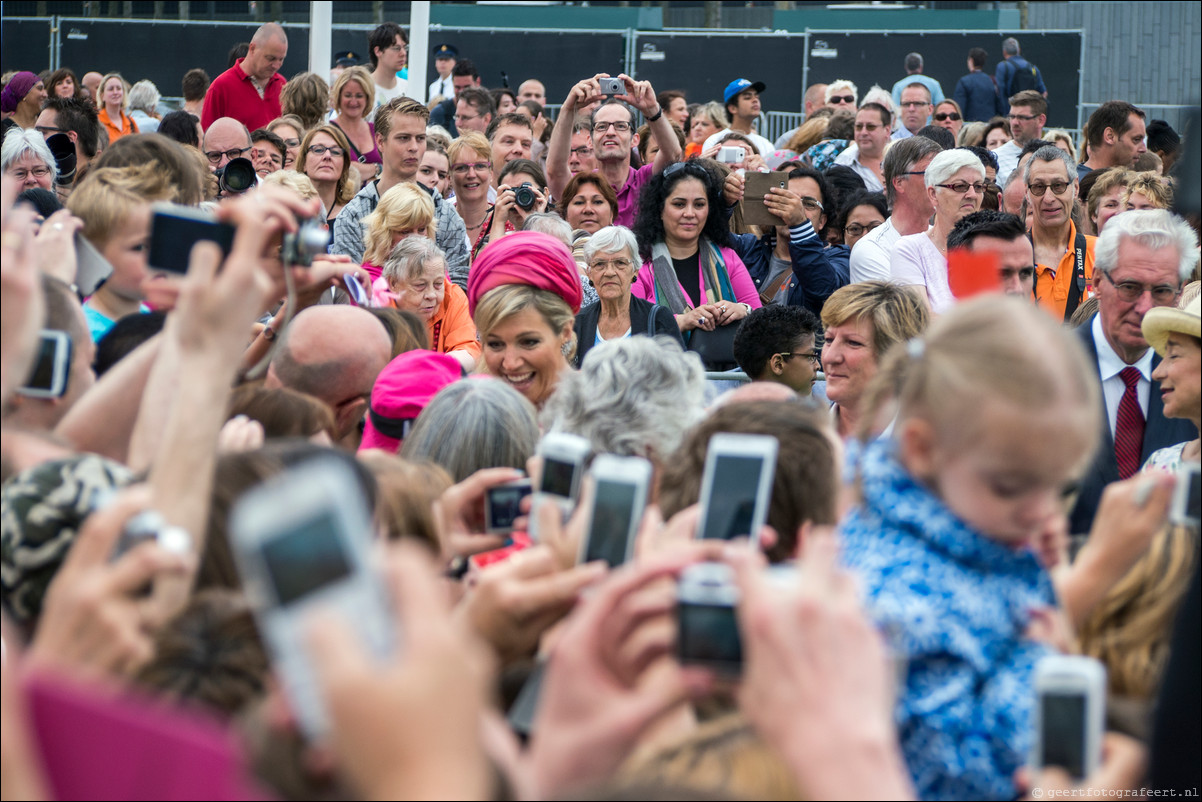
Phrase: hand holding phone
[175,229]
[1070,713]
[301,542]
[736,487]
[51,366]
[563,456]
[707,624]
[619,497]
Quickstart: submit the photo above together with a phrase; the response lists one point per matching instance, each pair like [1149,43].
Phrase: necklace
[473,228]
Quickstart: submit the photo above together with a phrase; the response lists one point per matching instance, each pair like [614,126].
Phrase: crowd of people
[975,342]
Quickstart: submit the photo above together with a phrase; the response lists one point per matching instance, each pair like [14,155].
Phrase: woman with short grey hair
[613,262]
[27,158]
[955,183]
[478,422]
[631,397]
[143,106]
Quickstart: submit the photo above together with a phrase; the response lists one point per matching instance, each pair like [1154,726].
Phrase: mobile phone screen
[557,477]
[503,504]
[1063,736]
[736,482]
[42,375]
[709,633]
[613,505]
[172,237]
[306,559]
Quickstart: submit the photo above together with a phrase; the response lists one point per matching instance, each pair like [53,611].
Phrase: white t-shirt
[873,254]
[1007,160]
[384,95]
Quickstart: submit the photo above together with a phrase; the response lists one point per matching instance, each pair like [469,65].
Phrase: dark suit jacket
[1159,433]
[640,310]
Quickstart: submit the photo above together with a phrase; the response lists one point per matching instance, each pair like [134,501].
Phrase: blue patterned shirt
[955,605]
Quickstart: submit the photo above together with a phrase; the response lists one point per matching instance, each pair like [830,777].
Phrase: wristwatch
[658,114]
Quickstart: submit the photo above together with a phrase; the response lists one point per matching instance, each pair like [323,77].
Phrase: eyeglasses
[915,172]
[603,265]
[961,187]
[947,115]
[619,126]
[850,99]
[464,169]
[866,127]
[319,150]
[1057,187]
[914,104]
[47,130]
[21,173]
[465,118]
[812,204]
[214,156]
[814,357]
[398,48]
[855,229]
[1131,291]
[583,150]
[1023,117]
[292,143]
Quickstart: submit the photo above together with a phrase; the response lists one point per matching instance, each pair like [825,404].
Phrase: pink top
[628,194]
[740,282]
[917,262]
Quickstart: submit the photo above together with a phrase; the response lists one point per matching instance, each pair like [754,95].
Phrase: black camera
[236,177]
[63,150]
[311,239]
[524,196]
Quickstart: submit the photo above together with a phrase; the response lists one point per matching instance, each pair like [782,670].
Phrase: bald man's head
[223,137]
[268,48]
[334,353]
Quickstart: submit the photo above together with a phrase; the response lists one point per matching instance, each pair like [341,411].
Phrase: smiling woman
[524,293]
[353,94]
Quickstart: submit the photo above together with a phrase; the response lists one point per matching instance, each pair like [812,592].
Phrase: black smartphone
[175,229]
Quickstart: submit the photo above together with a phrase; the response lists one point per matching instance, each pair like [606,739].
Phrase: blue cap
[445,51]
[740,85]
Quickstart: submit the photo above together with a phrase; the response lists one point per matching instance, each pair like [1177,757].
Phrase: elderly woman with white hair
[955,182]
[612,263]
[634,397]
[27,158]
[143,106]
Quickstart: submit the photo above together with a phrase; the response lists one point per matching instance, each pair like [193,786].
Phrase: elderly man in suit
[1142,258]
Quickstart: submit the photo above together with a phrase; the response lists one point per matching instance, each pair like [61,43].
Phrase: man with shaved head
[333,352]
[250,90]
[224,140]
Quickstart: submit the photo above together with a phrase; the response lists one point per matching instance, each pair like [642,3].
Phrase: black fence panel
[702,64]
[558,58]
[877,57]
[25,44]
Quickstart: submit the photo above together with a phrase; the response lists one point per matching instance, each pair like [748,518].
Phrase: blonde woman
[113,97]
[354,94]
[405,211]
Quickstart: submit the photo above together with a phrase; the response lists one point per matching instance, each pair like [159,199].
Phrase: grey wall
[1143,52]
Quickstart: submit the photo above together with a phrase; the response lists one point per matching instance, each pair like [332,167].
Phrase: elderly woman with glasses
[955,182]
[688,265]
[27,159]
[612,254]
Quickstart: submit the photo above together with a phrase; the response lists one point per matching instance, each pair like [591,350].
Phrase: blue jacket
[817,270]
[955,606]
[977,96]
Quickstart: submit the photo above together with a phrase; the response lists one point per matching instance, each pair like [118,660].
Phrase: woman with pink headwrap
[523,294]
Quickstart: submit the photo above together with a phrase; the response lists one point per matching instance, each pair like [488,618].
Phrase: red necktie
[1129,426]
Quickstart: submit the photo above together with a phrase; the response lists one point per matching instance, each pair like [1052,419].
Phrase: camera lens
[524,197]
[237,176]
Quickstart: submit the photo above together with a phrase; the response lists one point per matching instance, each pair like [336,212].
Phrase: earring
[567,348]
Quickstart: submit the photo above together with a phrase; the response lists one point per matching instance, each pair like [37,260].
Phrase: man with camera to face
[613,126]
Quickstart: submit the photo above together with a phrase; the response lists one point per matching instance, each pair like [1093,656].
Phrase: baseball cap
[739,85]
[401,392]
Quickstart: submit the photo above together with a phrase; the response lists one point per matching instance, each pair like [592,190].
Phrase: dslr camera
[236,177]
[524,196]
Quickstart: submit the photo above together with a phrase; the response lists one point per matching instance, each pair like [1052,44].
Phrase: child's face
[1012,480]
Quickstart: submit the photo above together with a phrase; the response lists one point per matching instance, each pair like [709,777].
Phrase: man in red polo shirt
[250,90]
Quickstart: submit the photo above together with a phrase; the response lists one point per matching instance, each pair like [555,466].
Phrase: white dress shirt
[1113,386]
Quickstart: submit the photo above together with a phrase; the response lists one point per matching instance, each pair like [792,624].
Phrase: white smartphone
[1185,507]
[302,543]
[563,464]
[620,486]
[1070,713]
[51,366]
[730,155]
[737,485]
[707,627]
[91,268]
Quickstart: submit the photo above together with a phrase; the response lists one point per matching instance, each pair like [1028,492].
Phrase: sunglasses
[851,99]
[689,168]
[947,115]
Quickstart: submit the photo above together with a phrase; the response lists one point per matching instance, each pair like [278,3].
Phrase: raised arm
[640,95]
[560,146]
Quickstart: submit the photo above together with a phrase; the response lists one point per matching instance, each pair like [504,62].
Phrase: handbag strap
[651,319]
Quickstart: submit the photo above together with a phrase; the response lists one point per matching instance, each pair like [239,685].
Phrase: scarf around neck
[716,280]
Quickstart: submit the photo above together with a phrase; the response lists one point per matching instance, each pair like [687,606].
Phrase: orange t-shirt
[451,328]
[1052,285]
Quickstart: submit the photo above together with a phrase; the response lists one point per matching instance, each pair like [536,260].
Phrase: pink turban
[525,257]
